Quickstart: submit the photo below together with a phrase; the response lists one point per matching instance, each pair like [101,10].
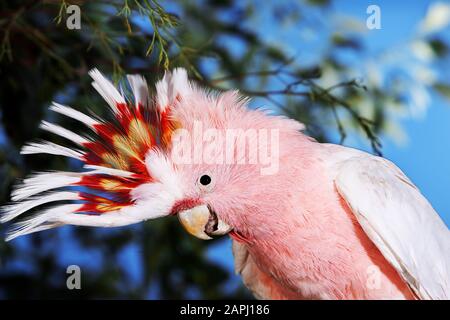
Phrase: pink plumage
[308,220]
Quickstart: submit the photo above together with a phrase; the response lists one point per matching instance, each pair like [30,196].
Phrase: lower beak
[203,223]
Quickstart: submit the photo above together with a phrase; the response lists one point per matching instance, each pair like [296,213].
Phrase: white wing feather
[399,220]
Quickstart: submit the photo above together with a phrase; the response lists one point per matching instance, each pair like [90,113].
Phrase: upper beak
[202,222]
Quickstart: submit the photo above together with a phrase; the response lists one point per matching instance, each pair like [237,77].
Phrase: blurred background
[374,78]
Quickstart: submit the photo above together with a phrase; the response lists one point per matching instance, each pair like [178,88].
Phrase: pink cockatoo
[325,222]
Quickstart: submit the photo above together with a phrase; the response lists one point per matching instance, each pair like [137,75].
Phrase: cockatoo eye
[205,183]
[205,180]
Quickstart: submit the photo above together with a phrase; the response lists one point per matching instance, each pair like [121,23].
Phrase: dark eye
[205,180]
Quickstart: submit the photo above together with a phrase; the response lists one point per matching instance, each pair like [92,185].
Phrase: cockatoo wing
[400,222]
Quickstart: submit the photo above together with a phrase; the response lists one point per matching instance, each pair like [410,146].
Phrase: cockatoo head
[203,156]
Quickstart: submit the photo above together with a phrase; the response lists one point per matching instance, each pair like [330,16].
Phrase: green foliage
[443,89]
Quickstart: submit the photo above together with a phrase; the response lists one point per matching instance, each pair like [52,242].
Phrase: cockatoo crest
[118,158]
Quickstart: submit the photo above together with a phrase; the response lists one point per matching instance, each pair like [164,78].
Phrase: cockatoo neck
[281,207]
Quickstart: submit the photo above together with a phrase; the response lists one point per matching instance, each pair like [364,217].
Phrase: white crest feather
[44,220]
[74,114]
[140,89]
[110,171]
[116,218]
[172,85]
[62,132]
[42,182]
[14,210]
[51,148]
[106,89]
[46,181]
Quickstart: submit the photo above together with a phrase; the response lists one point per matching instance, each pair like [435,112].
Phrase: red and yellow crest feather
[114,156]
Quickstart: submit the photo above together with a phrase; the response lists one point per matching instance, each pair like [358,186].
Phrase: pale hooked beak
[203,223]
